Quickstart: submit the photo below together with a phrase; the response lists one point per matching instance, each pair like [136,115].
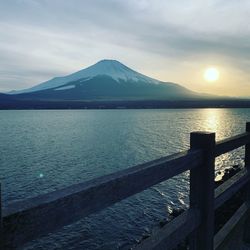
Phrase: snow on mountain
[111,68]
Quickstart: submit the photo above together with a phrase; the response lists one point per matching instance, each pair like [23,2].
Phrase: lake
[45,150]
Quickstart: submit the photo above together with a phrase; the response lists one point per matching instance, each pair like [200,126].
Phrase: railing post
[202,190]
[246,235]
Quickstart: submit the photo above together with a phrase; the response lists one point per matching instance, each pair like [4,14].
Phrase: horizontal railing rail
[231,143]
[21,221]
[230,225]
[174,232]
[227,189]
[62,207]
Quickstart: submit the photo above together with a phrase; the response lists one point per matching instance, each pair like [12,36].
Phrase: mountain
[6,98]
[112,68]
[106,80]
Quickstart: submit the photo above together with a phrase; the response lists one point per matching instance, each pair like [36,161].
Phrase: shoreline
[121,104]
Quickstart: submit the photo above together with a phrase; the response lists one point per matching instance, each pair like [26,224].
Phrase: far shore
[131,104]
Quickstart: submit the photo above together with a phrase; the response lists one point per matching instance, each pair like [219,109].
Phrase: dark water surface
[45,150]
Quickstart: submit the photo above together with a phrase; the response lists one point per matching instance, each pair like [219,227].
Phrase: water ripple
[42,151]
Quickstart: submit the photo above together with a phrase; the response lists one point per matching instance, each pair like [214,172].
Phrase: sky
[173,41]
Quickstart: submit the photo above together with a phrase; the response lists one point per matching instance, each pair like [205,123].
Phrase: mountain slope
[106,80]
[112,68]
[6,98]
[106,88]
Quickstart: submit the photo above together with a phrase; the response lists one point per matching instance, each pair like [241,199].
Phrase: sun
[211,74]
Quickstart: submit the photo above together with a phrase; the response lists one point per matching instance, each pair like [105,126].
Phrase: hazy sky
[168,40]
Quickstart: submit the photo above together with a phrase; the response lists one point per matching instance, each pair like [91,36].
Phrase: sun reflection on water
[212,120]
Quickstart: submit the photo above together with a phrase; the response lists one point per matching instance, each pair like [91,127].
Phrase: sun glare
[211,74]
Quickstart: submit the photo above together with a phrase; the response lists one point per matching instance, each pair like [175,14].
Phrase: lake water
[45,150]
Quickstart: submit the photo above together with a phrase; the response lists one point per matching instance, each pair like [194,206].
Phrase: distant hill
[106,80]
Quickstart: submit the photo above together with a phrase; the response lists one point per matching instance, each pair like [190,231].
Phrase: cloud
[42,39]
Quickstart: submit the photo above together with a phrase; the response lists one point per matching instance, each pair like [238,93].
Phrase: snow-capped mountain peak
[112,68]
[116,70]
